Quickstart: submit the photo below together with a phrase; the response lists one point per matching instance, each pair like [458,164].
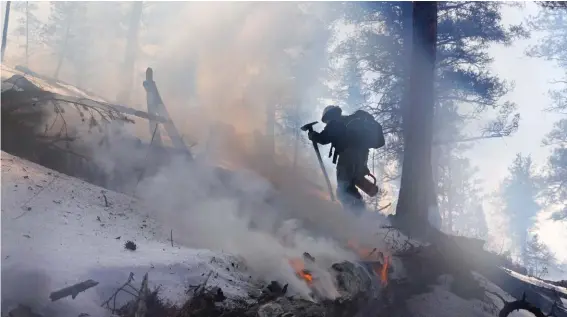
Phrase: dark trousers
[351,164]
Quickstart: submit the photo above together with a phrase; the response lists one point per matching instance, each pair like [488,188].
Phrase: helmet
[331,113]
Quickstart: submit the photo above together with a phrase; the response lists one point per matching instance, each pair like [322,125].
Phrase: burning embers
[299,266]
[375,261]
[379,262]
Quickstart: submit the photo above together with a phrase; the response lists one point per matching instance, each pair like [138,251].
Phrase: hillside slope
[57,231]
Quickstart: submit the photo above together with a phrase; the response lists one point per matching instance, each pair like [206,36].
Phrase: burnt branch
[522,304]
[141,307]
[72,290]
[122,288]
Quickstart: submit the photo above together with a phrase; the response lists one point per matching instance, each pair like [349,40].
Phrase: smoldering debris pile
[356,287]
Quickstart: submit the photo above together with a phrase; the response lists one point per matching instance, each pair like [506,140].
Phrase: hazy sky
[532,81]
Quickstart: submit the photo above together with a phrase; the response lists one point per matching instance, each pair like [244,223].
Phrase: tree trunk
[416,189]
[27,32]
[270,142]
[63,51]
[407,29]
[131,51]
[80,69]
[450,200]
[297,126]
[5,30]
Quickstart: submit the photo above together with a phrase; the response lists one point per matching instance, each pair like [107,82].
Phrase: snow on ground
[57,231]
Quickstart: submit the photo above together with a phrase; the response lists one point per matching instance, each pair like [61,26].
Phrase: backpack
[364,131]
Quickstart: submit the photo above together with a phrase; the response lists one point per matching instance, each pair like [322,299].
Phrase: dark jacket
[334,133]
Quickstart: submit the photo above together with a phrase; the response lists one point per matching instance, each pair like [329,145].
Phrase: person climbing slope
[351,137]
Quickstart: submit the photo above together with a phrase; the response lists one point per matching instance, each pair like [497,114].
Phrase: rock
[276,289]
[352,280]
[270,310]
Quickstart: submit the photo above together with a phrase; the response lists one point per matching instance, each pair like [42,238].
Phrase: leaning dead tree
[156,107]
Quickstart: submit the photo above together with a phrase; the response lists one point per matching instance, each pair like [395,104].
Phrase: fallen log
[32,95]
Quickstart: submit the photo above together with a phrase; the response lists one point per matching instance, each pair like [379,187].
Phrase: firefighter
[351,138]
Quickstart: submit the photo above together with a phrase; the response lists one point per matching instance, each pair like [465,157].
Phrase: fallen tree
[48,128]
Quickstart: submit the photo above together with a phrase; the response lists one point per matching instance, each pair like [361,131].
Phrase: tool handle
[373,177]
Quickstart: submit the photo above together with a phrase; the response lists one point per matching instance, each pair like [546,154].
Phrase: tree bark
[407,36]
[416,190]
[5,30]
[131,51]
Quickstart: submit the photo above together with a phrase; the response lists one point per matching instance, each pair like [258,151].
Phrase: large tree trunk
[131,51]
[407,36]
[5,30]
[416,191]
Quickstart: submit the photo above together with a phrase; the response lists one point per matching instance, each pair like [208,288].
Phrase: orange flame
[381,270]
[384,271]
[299,266]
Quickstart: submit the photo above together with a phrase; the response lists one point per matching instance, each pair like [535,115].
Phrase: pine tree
[460,197]
[132,49]
[538,258]
[553,47]
[29,26]
[67,35]
[519,193]
[464,87]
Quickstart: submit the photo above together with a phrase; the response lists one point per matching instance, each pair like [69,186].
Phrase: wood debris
[73,290]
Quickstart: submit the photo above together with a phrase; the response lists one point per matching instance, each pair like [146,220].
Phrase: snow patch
[58,231]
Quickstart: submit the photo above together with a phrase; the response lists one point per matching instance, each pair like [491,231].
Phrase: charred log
[72,290]
[523,304]
[41,126]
